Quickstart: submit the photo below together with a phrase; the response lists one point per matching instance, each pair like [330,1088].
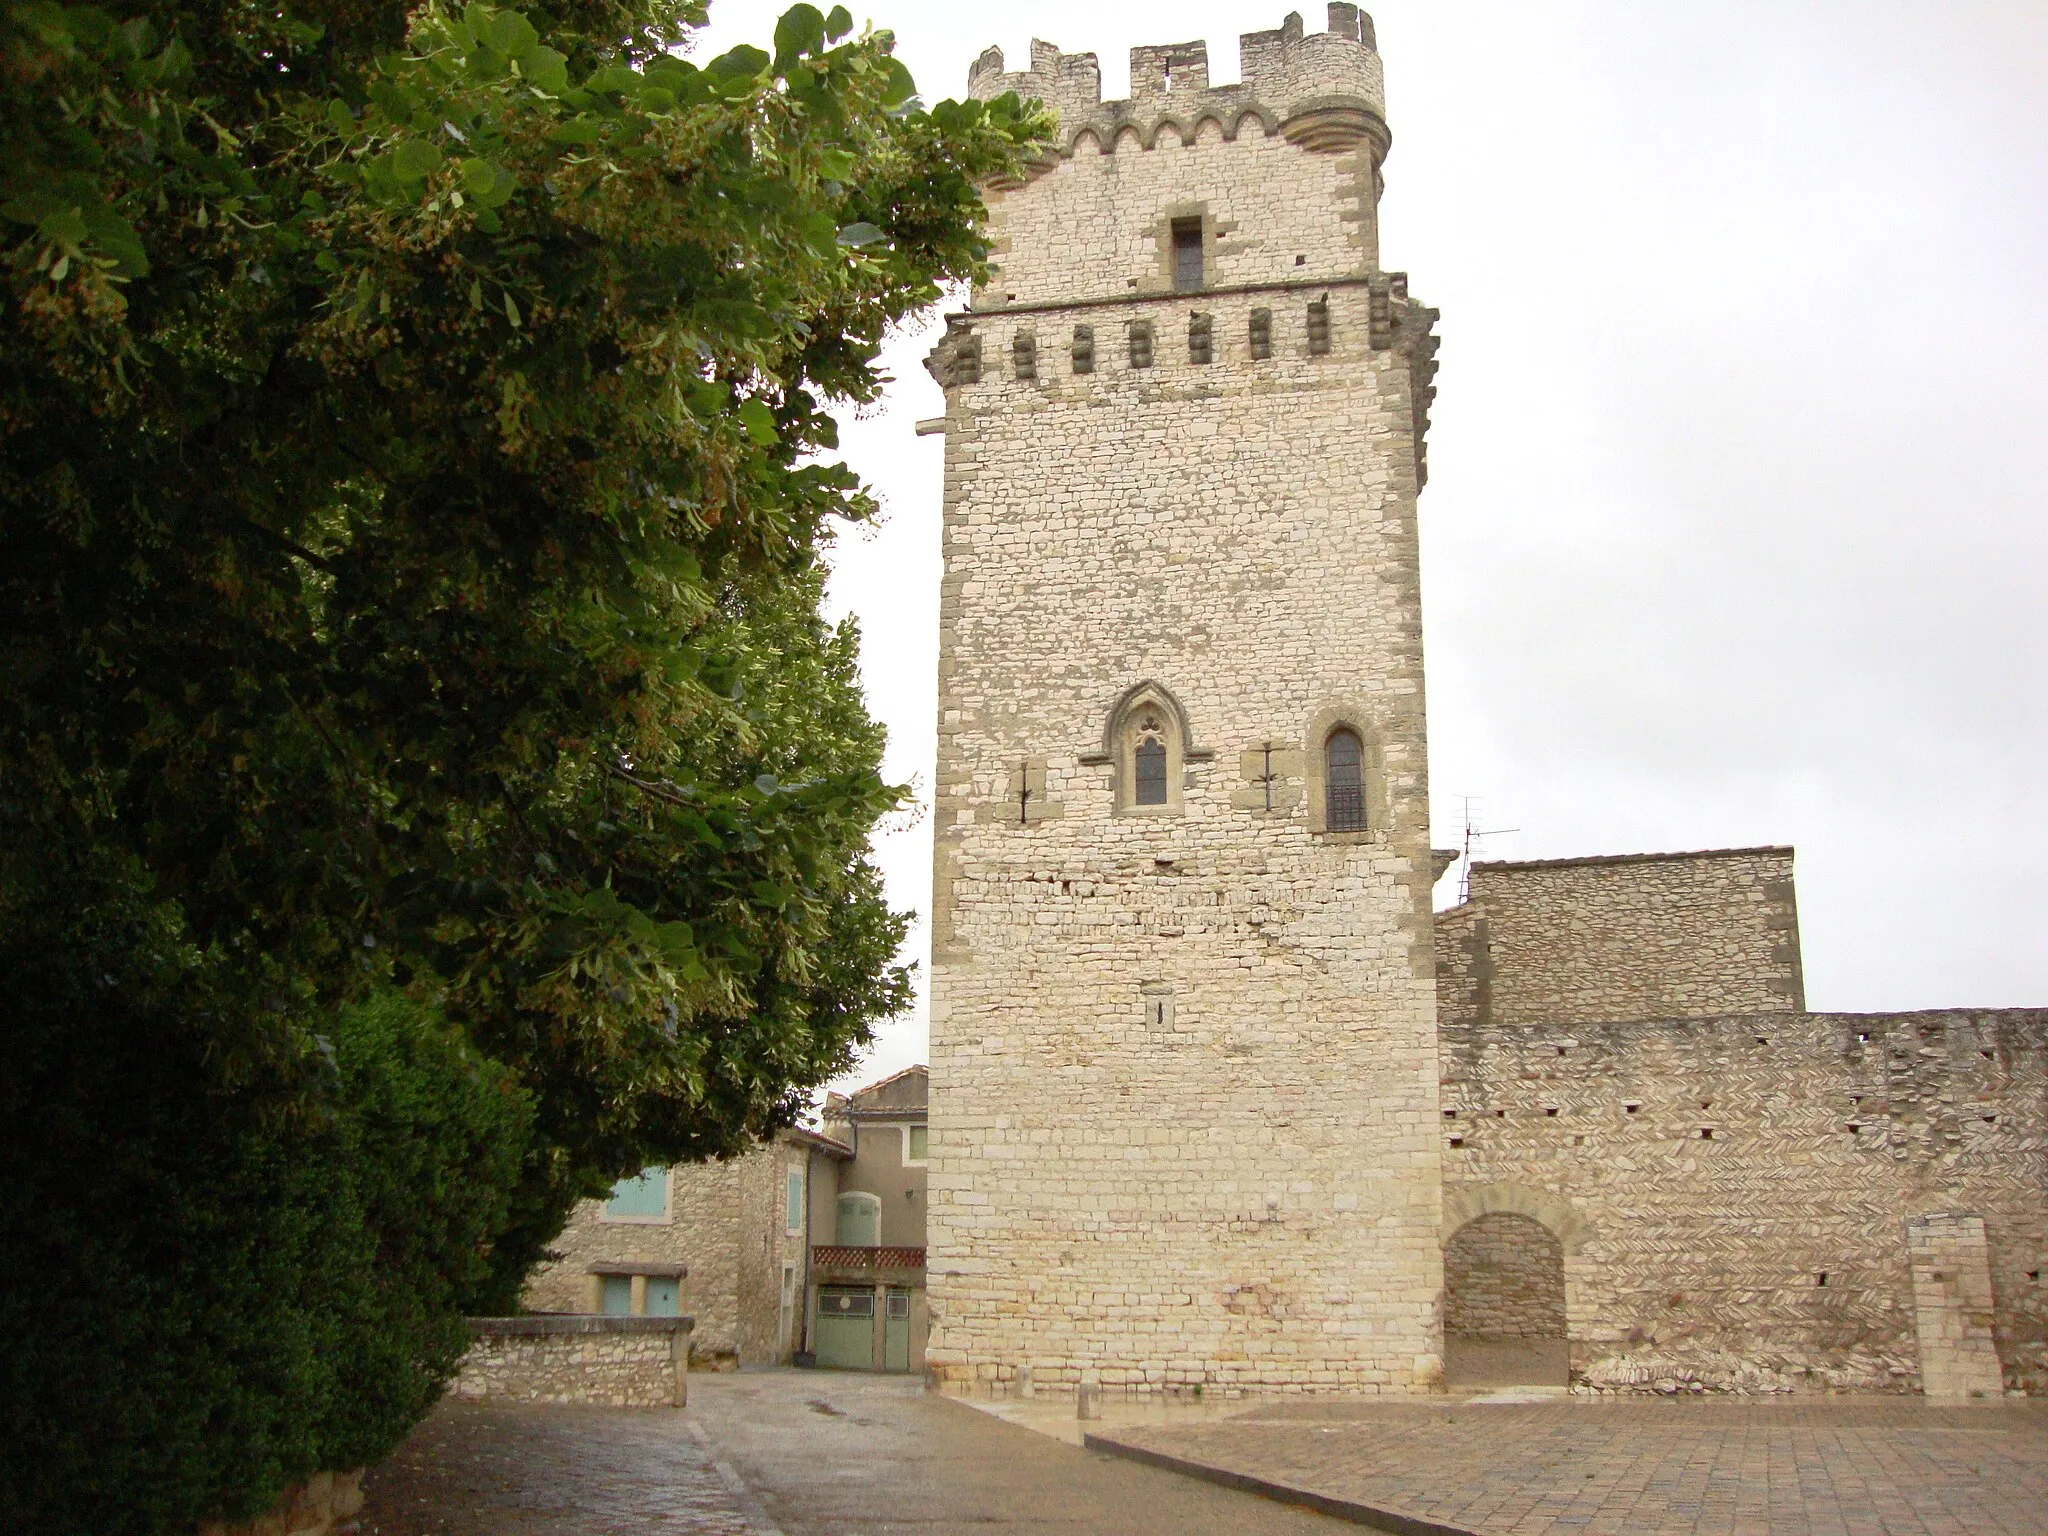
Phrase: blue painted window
[664,1297]
[618,1296]
[641,1199]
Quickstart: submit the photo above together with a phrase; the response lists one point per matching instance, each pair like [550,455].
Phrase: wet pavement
[804,1453]
[1529,1463]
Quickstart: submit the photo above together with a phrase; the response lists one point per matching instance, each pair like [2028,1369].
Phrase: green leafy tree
[414,471]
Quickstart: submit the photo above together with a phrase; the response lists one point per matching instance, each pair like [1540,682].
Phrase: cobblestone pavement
[1823,1466]
[516,1469]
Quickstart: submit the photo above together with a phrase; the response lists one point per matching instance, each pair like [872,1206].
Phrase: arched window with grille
[1148,765]
[1344,781]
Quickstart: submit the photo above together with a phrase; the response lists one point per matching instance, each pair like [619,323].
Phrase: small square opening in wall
[1706,1133]
[1157,998]
[1629,1109]
[1551,1111]
[1450,1114]
[1457,1141]
[1578,1141]
[1821,1279]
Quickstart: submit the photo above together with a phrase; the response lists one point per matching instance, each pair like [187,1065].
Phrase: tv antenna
[1472,835]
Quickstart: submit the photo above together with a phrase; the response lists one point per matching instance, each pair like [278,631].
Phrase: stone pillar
[1952,1307]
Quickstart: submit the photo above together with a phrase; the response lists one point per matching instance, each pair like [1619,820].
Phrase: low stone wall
[323,1506]
[620,1362]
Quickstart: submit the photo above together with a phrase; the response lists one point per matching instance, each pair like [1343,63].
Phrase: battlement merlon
[1325,91]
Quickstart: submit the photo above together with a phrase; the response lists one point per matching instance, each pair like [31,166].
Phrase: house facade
[808,1247]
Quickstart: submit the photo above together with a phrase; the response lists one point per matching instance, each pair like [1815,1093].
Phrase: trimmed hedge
[216,1287]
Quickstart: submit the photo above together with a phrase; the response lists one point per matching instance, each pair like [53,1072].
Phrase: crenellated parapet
[1324,91]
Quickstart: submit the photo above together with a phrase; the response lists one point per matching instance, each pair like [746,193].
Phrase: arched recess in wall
[1468,1202]
[1509,1284]
[1371,818]
[1147,743]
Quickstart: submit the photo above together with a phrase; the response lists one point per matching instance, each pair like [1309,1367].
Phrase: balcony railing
[851,1256]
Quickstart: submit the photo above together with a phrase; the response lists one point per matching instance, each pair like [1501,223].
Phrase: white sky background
[1735,529]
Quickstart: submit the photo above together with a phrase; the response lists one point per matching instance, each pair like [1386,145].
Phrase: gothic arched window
[1148,763]
[1147,743]
[1343,782]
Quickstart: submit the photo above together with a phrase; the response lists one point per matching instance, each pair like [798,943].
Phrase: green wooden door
[846,1327]
[896,1332]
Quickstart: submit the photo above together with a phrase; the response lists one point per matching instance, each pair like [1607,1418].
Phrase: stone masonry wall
[1733,1191]
[1504,1279]
[725,1225]
[1637,936]
[1183,1056]
[618,1362]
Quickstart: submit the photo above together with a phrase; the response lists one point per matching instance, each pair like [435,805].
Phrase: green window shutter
[920,1142]
[664,1297]
[642,1197]
[618,1296]
[793,1202]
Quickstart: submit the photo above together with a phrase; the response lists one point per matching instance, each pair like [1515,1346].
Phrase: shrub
[208,1302]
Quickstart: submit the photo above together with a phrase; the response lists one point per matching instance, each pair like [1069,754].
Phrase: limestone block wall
[1269,210]
[1183,1079]
[1733,1192]
[725,1224]
[1504,1279]
[619,1362]
[1632,936]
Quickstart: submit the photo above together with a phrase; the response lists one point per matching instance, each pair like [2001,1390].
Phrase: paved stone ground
[813,1453]
[834,1453]
[481,1469]
[1821,1466]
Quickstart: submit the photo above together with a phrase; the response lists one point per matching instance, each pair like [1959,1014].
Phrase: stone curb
[1283,1493]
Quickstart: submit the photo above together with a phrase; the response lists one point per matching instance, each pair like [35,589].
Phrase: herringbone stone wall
[1734,1190]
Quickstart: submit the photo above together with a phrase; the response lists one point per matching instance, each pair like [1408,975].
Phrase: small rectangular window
[1262,333]
[793,1202]
[1024,356]
[1141,343]
[845,1301]
[1201,347]
[1084,349]
[640,1199]
[920,1142]
[1187,255]
[899,1304]
[1318,327]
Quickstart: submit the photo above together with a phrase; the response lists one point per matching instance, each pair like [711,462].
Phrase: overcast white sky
[1735,531]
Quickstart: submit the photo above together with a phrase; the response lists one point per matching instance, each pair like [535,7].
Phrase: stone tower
[1184,1072]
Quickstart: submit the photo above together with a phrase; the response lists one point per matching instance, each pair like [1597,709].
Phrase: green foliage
[414,472]
[213,1294]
